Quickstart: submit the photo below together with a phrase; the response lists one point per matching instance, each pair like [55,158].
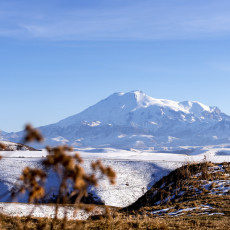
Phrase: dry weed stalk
[33,181]
[74,181]
[72,174]
[2,147]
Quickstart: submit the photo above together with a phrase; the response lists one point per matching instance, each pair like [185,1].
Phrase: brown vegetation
[120,222]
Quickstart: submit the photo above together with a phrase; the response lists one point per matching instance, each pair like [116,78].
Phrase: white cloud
[140,20]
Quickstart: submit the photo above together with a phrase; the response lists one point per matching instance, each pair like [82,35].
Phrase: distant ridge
[11,146]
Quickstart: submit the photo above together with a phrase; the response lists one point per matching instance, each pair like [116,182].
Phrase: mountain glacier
[136,120]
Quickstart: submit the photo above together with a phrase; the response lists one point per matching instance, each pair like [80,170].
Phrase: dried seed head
[2,146]
[33,181]
[32,134]
[78,158]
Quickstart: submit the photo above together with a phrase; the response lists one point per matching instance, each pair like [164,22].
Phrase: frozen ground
[133,177]
[136,170]
[19,209]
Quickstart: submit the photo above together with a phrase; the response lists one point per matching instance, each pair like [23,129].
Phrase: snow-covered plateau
[136,172]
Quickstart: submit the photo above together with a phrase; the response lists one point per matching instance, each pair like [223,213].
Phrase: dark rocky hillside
[194,189]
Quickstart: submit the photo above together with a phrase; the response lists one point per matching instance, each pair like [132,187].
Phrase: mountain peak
[135,106]
[137,92]
[195,107]
[134,119]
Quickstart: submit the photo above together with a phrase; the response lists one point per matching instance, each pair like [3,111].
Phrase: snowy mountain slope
[135,120]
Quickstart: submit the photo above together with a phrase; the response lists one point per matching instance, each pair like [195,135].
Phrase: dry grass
[187,179]
[120,222]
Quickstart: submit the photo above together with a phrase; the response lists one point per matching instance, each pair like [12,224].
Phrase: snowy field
[136,172]
[48,211]
[134,177]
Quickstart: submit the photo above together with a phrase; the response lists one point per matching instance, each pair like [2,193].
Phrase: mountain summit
[138,108]
[136,120]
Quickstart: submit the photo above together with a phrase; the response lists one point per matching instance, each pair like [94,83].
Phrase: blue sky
[59,57]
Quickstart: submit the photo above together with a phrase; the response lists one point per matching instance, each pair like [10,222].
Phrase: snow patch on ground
[47,211]
[60,139]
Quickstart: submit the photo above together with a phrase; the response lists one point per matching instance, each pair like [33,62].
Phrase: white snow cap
[145,101]
[119,107]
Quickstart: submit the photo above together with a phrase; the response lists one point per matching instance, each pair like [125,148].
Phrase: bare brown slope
[192,182]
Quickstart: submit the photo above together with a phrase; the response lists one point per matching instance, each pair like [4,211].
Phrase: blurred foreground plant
[2,146]
[67,165]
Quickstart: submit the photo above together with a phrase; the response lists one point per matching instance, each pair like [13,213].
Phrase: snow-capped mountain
[136,120]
